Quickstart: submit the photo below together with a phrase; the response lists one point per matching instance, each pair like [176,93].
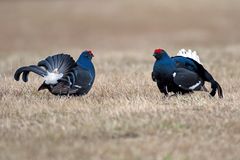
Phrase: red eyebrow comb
[90,52]
[158,51]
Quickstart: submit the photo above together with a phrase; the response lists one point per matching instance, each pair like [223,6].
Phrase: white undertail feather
[189,54]
[195,86]
[53,77]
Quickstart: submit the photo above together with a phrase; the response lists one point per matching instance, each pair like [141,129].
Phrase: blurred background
[52,26]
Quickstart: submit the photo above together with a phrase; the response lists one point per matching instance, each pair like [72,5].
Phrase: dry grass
[124,116]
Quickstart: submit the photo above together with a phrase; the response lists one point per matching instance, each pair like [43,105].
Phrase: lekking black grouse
[62,75]
[182,74]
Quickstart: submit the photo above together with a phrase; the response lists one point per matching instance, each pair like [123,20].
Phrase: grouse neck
[163,56]
[85,62]
[164,64]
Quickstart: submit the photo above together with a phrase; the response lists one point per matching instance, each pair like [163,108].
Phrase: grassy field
[124,117]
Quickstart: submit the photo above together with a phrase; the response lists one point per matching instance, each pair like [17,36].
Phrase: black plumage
[62,75]
[181,75]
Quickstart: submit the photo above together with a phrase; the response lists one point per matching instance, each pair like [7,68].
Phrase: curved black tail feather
[26,70]
[216,87]
[220,92]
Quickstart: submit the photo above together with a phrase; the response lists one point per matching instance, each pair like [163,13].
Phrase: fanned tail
[26,70]
[189,54]
[57,66]
[51,69]
[60,63]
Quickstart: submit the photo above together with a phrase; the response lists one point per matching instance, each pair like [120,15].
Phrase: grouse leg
[163,88]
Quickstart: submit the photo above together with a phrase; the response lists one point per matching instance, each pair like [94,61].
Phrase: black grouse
[62,75]
[182,74]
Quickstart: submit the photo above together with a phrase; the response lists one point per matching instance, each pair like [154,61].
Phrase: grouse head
[88,53]
[158,53]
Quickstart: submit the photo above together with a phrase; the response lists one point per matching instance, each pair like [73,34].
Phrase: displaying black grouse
[62,75]
[182,74]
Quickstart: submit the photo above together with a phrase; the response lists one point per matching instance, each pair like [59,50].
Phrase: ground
[124,116]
